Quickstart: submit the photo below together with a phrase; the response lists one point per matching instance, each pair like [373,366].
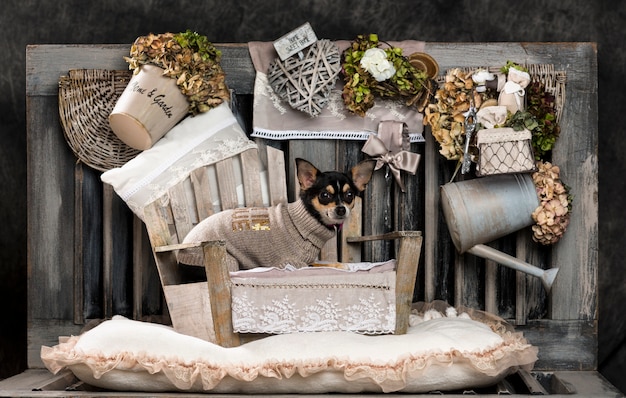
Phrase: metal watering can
[484,209]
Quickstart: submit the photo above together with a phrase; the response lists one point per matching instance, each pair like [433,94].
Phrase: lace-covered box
[504,150]
[361,299]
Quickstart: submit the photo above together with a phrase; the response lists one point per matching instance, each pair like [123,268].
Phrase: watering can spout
[547,276]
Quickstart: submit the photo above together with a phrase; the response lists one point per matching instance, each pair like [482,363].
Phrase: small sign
[295,41]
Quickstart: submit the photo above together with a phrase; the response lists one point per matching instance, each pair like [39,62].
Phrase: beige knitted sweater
[261,237]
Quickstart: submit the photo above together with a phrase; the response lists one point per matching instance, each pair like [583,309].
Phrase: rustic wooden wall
[28,22]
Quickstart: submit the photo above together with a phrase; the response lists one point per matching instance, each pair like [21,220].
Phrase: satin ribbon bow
[389,148]
[491,116]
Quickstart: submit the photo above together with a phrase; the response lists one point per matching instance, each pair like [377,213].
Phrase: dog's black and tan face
[330,195]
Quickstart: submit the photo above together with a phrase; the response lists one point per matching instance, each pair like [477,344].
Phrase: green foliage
[539,118]
[198,43]
[509,64]
[361,88]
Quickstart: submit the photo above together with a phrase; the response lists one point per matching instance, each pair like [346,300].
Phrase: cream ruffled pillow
[443,350]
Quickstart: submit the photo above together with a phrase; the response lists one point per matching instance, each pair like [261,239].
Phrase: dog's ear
[307,173]
[362,173]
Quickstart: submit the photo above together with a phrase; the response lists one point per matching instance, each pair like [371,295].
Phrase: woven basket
[86,98]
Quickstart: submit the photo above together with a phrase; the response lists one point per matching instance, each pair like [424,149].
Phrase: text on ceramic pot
[157,99]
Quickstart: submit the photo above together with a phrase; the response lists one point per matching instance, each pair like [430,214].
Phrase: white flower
[376,63]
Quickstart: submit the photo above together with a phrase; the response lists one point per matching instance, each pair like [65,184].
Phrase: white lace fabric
[315,299]
[195,142]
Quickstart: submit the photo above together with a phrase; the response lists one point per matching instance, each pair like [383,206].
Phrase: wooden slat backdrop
[88,258]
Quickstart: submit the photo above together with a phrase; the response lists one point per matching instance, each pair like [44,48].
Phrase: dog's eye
[348,196]
[325,197]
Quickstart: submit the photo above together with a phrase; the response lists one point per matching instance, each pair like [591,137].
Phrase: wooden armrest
[387,236]
[180,246]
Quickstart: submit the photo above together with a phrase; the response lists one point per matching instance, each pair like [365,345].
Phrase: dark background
[24,22]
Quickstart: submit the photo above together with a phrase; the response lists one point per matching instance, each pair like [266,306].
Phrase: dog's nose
[340,211]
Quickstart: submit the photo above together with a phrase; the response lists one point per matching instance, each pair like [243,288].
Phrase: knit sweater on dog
[261,237]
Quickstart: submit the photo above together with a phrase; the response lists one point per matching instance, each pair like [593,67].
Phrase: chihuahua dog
[291,233]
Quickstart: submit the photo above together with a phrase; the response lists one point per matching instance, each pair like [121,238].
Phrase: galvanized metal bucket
[485,209]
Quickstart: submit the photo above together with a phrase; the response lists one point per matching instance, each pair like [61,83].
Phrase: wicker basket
[86,98]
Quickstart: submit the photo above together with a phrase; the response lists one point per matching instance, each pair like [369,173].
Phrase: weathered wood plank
[352,228]
[180,209]
[118,264]
[159,231]
[227,184]
[88,243]
[563,344]
[50,196]
[189,308]
[107,250]
[409,251]
[45,63]
[219,293]
[251,178]
[46,332]
[521,304]
[277,188]
[431,217]
[574,294]
[79,279]
[378,211]
[202,191]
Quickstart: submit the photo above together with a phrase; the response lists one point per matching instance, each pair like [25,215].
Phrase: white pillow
[441,351]
[196,141]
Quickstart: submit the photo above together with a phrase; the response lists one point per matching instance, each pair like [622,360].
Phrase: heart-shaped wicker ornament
[306,83]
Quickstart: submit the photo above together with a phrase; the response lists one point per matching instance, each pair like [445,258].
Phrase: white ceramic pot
[148,108]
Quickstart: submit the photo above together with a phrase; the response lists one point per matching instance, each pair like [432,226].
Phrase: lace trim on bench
[312,301]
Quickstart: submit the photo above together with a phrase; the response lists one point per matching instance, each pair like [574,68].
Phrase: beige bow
[491,116]
[389,148]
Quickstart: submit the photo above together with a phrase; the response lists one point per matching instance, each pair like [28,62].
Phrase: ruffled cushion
[442,351]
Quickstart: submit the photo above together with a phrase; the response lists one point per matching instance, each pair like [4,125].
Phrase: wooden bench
[89,258]
[202,309]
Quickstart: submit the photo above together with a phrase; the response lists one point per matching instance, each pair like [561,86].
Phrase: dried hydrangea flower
[190,59]
[553,214]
